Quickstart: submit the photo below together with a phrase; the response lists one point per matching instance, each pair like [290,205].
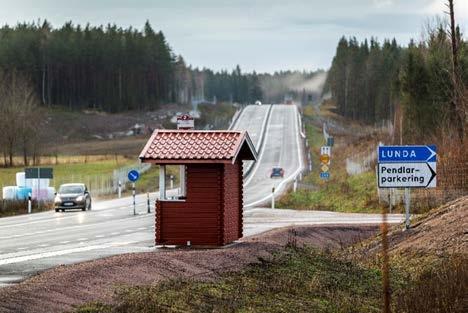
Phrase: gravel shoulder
[61,288]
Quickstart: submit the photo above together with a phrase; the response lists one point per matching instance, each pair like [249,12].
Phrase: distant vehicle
[258,102]
[277,172]
[72,196]
[288,99]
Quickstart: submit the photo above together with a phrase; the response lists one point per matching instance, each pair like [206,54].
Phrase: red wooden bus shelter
[208,208]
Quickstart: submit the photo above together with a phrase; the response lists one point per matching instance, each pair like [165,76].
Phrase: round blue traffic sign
[133,176]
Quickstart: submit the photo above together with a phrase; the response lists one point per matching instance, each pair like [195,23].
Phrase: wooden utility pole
[385,262]
[457,111]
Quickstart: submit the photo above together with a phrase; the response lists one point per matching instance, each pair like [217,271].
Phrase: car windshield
[276,170]
[71,189]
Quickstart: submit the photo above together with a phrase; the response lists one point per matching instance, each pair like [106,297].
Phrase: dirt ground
[440,232]
[57,290]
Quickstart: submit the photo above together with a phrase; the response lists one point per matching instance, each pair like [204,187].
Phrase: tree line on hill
[113,69]
[424,84]
[109,69]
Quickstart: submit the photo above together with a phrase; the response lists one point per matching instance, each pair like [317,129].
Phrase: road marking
[65,242]
[142,228]
[60,252]
[22,248]
[99,236]
[264,133]
[128,230]
[82,239]
[68,227]
[44,245]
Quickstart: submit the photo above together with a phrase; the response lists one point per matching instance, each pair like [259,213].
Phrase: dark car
[277,172]
[72,196]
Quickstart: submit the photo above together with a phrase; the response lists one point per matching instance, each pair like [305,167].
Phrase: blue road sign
[133,176]
[324,175]
[407,154]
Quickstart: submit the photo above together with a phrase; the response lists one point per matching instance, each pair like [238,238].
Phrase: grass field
[342,192]
[71,171]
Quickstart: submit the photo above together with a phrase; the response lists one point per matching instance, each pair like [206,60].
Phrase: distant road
[253,119]
[282,147]
[31,243]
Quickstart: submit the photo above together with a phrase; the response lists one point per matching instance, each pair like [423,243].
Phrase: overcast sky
[261,35]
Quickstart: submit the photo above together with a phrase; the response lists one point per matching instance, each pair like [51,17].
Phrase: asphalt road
[282,147]
[32,243]
[253,119]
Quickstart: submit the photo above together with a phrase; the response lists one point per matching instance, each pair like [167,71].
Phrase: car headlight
[57,199]
[80,198]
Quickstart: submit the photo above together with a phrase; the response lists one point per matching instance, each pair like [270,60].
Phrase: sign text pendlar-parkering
[407,166]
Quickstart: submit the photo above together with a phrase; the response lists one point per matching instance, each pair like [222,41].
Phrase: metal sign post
[38,189]
[133,194]
[273,197]
[407,207]
[133,176]
[148,202]
[29,203]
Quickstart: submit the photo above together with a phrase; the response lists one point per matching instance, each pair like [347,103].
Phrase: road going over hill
[32,243]
[282,147]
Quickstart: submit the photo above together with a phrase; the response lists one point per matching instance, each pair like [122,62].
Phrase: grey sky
[262,35]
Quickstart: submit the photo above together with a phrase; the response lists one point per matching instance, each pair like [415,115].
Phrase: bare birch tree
[19,116]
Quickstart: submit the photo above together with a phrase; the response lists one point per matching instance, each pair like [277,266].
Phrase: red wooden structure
[209,210]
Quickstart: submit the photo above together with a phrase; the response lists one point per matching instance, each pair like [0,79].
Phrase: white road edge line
[257,163]
[60,252]
[262,135]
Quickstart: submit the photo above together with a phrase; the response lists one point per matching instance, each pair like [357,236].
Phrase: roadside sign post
[39,173]
[38,189]
[133,194]
[29,203]
[133,176]
[148,202]
[273,197]
[407,207]
[325,152]
[120,189]
[407,167]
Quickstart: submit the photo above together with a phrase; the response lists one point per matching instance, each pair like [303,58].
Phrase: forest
[420,84]
[112,69]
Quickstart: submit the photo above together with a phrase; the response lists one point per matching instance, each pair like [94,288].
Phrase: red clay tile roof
[165,146]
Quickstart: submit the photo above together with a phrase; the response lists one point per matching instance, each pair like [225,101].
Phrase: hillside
[440,232]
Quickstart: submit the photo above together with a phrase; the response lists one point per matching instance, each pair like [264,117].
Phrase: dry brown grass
[9,208]
[70,159]
[442,289]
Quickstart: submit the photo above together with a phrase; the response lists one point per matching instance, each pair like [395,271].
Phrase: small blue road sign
[324,175]
[133,176]
[407,154]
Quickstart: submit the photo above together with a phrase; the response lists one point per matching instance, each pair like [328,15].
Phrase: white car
[258,102]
